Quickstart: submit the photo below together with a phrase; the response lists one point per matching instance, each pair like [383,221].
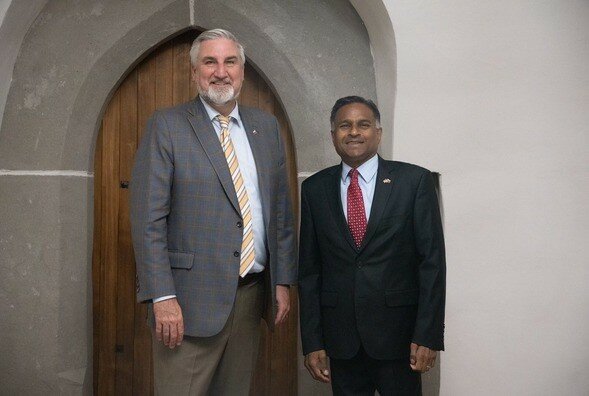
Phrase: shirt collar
[367,170]
[212,113]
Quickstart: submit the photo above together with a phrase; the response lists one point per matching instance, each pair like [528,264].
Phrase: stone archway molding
[103,78]
[377,18]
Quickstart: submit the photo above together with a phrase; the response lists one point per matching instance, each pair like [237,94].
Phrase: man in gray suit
[212,228]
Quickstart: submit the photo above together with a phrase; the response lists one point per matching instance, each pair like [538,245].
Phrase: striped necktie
[247,244]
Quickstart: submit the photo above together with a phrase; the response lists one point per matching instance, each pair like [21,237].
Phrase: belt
[250,278]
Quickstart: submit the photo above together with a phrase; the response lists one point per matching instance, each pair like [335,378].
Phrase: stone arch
[68,67]
[112,67]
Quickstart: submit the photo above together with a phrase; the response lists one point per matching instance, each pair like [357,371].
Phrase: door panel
[122,340]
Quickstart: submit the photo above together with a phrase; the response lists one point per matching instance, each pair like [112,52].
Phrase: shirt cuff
[164,298]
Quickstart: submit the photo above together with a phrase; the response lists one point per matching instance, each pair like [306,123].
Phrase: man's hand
[422,358]
[169,324]
[283,302]
[316,364]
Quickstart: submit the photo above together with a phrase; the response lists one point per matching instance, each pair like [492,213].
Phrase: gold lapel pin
[255,132]
[386,181]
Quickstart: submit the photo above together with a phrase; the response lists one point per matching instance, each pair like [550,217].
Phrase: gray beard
[217,96]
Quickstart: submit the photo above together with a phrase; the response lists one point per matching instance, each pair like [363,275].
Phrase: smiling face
[355,134]
[218,73]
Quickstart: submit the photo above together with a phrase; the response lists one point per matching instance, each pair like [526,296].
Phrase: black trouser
[362,375]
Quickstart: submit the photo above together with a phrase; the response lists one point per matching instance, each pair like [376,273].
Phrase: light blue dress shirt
[367,181]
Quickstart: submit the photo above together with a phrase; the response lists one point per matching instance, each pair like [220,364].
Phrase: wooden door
[122,340]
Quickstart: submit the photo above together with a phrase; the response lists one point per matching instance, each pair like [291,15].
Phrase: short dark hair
[341,102]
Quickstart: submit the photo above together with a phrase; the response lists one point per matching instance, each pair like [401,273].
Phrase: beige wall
[495,96]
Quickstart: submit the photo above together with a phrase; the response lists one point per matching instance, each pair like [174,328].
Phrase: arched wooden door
[122,343]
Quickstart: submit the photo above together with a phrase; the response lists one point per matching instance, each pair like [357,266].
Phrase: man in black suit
[372,264]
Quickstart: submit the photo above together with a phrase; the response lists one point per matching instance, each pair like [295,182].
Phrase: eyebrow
[214,59]
[358,121]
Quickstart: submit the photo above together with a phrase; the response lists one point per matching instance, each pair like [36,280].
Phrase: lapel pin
[255,132]
[386,181]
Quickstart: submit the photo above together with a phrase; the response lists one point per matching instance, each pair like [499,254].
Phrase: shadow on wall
[431,380]
[436,177]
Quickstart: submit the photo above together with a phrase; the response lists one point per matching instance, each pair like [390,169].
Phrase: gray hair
[214,34]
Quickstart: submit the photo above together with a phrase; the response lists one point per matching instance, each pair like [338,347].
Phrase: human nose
[354,131]
[220,71]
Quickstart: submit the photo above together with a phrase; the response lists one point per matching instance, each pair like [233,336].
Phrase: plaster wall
[384,52]
[494,95]
[69,63]
[15,19]
[3,7]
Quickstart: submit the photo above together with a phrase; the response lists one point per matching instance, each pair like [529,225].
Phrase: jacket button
[239,224]
[236,253]
[359,264]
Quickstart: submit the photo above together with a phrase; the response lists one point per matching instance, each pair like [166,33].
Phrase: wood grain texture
[109,242]
[146,102]
[249,90]
[181,73]
[97,259]
[126,262]
[164,76]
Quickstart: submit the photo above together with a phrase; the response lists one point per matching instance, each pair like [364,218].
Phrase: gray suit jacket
[185,218]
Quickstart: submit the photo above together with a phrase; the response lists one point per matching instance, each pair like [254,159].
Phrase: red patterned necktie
[356,213]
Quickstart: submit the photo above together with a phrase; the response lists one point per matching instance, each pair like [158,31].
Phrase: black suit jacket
[389,292]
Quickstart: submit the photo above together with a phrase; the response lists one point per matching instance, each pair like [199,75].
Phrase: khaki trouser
[217,365]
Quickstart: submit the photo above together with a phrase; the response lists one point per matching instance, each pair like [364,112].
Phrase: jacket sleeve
[310,280]
[429,240]
[286,271]
[151,185]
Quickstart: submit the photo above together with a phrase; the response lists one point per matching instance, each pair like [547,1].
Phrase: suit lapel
[333,191]
[206,135]
[385,180]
